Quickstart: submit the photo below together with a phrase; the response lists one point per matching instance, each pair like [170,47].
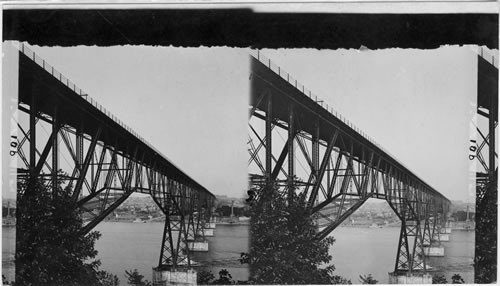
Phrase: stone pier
[442,237]
[446,230]
[434,251]
[208,232]
[413,278]
[210,225]
[182,277]
[205,232]
[198,246]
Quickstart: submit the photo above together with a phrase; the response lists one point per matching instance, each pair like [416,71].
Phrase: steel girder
[101,161]
[483,150]
[341,169]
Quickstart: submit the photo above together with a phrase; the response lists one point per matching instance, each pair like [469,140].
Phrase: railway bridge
[60,127]
[344,168]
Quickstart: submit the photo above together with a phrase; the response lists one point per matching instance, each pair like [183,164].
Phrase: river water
[356,251]
[362,251]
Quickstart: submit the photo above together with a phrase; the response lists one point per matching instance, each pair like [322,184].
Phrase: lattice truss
[101,169]
[337,174]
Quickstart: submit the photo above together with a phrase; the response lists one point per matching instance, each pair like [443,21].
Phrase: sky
[191,103]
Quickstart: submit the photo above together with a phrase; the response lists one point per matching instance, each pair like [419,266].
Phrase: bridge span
[60,127]
[344,166]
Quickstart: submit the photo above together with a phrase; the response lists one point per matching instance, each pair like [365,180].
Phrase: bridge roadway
[108,160]
[345,166]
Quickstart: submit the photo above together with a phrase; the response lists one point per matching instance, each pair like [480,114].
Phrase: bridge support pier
[410,278]
[209,232]
[434,251]
[198,246]
[196,234]
[184,277]
[446,230]
[441,237]
[211,224]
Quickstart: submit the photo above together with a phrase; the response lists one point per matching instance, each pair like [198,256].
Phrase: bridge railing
[489,55]
[299,86]
[55,73]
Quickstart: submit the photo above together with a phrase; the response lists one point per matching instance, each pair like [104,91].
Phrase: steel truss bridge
[344,167]
[104,161]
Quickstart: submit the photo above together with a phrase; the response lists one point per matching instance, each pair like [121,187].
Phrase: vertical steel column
[491,148]
[403,253]
[186,206]
[315,150]
[291,153]
[166,244]
[269,120]
[170,197]
[55,155]
[33,138]
[79,147]
[427,232]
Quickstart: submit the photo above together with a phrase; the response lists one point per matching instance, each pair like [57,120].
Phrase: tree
[205,278]
[49,247]
[134,278]
[284,248]
[108,279]
[208,278]
[485,255]
[337,279]
[439,279]
[367,279]
[457,279]
[225,278]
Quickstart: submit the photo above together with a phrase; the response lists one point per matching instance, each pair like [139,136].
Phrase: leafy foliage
[457,279]
[367,279]
[337,279]
[136,279]
[208,278]
[49,247]
[224,278]
[205,278]
[485,258]
[283,248]
[439,279]
[108,279]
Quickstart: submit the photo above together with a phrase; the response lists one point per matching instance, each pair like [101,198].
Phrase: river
[362,251]
[356,251]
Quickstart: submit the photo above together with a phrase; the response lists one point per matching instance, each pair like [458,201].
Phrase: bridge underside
[292,136]
[484,152]
[64,136]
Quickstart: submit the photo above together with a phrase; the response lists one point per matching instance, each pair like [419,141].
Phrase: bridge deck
[308,111]
[44,86]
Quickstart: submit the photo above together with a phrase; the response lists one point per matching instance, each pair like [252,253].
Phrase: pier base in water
[198,246]
[446,230]
[210,225]
[208,232]
[434,251]
[162,277]
[442,237]
[413,278]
